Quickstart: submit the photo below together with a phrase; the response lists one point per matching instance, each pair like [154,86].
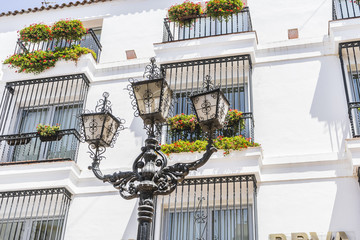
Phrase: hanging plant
[68,29]
[35,33]
[38,61]
[184,14]
[223,9]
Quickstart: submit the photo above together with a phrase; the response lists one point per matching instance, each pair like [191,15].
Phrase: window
[53,115]
[25,104]
[350,64]
[92,41]
[32,214]
[231,74]
[209,224]
[210,208]
[343,9]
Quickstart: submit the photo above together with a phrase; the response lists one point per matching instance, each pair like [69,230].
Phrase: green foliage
[47,130]
[68,29]
[184,13]
[35,33]
[223,8]
[183,122]
[233,143]
[184,146]
[38,61]
[234,122]
[224,143]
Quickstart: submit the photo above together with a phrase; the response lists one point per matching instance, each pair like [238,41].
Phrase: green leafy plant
[47,130]
[225,143]
[184,14]
[223,9]
[234,122]
[182,122]
[35,33]
[184,146]
[233,143]
[38,61]
[68,29]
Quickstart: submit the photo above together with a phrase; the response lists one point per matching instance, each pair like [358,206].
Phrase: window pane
[46,230]
[11,230]
[28,122]
[66,147]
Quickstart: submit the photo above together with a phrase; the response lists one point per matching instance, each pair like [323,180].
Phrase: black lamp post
[150,175]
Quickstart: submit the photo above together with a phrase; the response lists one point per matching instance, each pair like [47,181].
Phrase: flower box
[50,138]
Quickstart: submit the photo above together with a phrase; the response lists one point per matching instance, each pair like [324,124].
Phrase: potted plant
[223,9]
[184,14]
[36,32]
[234,123]
[48,133]
[185,126]
[68,29]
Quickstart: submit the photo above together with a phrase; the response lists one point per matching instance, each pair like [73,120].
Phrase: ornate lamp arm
[181,170]
[168,177]
[95,154]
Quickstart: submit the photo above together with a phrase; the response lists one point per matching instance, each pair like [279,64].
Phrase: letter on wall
[277,236]
[314,236]
[341,236]
[299,236]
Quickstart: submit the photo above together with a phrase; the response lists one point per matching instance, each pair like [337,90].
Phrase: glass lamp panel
[223,109]
[110,127]
[165,105]
[92,126]
[147,94]
[205,106]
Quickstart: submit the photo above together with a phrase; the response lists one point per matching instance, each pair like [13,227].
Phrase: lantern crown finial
[152,71]
[208,84]
[104,105]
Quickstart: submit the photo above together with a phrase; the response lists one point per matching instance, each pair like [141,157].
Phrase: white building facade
[300,94]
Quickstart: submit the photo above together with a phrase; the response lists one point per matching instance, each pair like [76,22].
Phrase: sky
[11,5]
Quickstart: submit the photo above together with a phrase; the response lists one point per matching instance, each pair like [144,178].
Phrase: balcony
[25,104]
[344,9]
[90,41]
[231,74]
[206,26]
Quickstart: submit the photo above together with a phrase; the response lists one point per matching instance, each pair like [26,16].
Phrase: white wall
[305,176]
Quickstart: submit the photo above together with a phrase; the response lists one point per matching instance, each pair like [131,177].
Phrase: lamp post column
[146,188]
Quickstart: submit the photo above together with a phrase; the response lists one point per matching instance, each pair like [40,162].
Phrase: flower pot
[55,137]
[19,141]
[186,18]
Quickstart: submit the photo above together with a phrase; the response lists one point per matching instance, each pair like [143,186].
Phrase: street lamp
[150,175]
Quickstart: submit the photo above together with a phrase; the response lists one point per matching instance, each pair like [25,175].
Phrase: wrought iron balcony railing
[232,74]
[209,208]
[90,41]
[343,9]
[205,26]
[349,54]
[50,101]
[30,147]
